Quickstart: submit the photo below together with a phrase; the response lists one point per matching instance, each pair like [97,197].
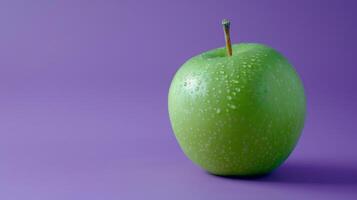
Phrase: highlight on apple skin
[237,113]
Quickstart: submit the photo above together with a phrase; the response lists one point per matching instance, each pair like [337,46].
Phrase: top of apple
[235,50]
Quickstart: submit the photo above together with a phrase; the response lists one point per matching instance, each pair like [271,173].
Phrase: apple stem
[226,25]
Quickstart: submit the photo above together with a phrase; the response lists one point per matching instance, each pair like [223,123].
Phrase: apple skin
[240,115]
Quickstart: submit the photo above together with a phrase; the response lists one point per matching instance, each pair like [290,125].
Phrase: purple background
[84,88]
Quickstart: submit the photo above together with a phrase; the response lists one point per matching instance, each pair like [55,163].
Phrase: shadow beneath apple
[309,173]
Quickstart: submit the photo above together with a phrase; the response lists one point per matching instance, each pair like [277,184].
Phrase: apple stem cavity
[226,26]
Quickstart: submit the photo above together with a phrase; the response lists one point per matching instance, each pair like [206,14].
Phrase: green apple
[239,112]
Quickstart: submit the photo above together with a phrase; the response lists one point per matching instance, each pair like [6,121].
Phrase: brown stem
[226,25]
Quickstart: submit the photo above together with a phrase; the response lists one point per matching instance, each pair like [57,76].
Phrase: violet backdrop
[84,97]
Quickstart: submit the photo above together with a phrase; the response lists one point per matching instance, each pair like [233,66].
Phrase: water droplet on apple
[218,110]
[229,97]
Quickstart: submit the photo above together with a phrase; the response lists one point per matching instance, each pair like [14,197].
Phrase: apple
[237,110]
